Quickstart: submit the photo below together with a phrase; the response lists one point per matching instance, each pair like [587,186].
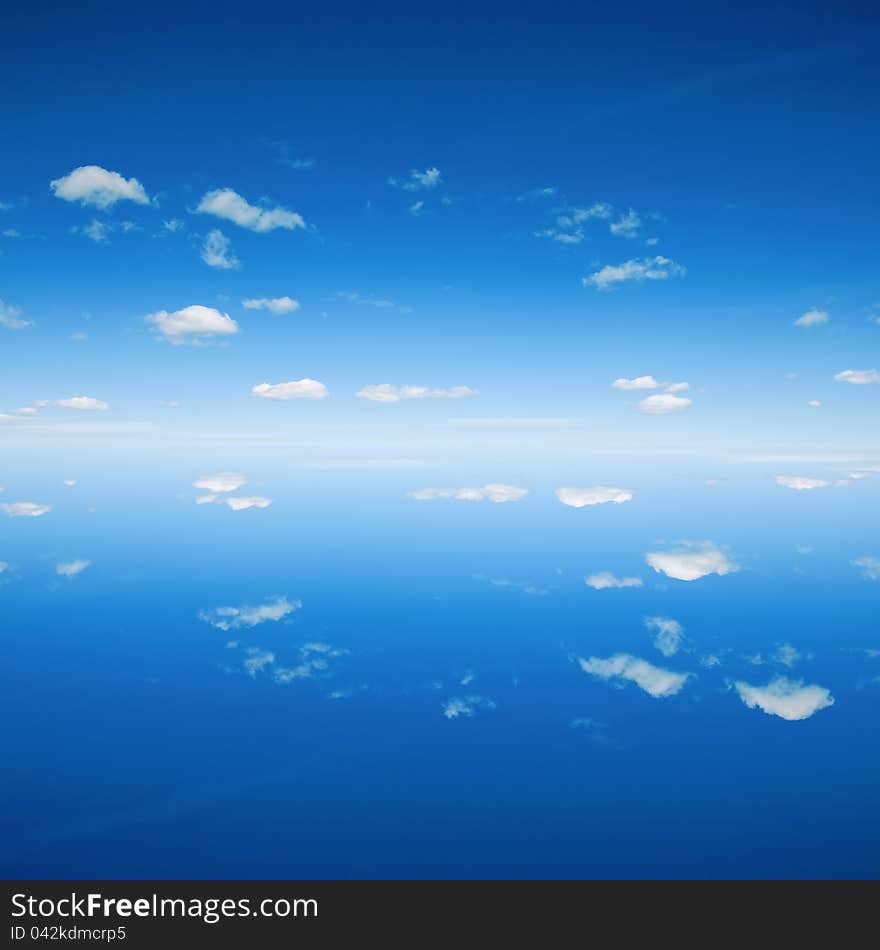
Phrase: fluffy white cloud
[229,205]
[654,680]
[192,324]
[640,382]
[71,568]
[25,509]
[785,698]
[599,495]
[82,402]
[454,708]
[869,566]
[668,634]
[235,502]
[276,305]
[385,392]
[811,318]
[418,181]
[652,268]
[221,481]
[95,186]
[295,389]
[10,317]
[605,580]
[858,377]
[494,492]
[662,403]
[692,561]
[804,483]
[232,618]
[217,251]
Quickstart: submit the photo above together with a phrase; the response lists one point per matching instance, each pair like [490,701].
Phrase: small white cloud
[785,698]
[869,567]
[173,225]
[787,655]
[652,268]
[71,568]
[386,392]
[858,377]
[192,324]
[454,708]
[217,251]
[605,580]
[599,495]
[804,483]
[257,660]
[221,481]
[627,225]
[69,482]
[692,561]
[4,566]
[95,186]
[276,305]
[82,402]
[812,318]
[235,502]
[668,634]
[640,382]
[661,404]
[416,207]
[295,389]
[654,680]
[25,509]
[495,492]
[814,404]
[229,205]
[96,231]
[233,618]
[10,317]
[418,181]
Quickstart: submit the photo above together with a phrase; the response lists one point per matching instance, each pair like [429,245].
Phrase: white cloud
[220,482]
[295,389]
[69,482]
[71,568]
[668,634]
[96,231]
[454,708]
[229,205]
[416,207]
[787,655]
[814,404]
[4,566]
[257,659]
[10,317]
[192,324]
[605,580]
[235,502]
[418,181]
[627,225]
[640,382]
[276,305]
[654,680]
[233,618]
[217,251]
[803,483]
[599,495]
[858,377]
[651,268]
[494,492]
[812,318]
[785,698]
[25,509]
[95,186]
[692,561]
[661,404]
[173,225]
[870,567]
[82,402]
[386,392]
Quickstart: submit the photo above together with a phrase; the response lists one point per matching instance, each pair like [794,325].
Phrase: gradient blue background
[135,745]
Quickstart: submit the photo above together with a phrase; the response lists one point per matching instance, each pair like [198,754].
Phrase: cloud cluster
[386,392]
[637,271]
[599,495]
[691,561]
[229,205]
[192,324]
[785,698]
[295,389]
[654,680]
[233,618]
[494,492]
[95,186]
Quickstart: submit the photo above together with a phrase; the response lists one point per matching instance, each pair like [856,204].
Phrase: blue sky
[427,387]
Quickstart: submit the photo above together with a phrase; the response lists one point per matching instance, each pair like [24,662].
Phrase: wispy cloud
[869,567]
[25,509]
[605,580]
[668,634]
[812,318]
[858,377]
[234,618]
[217,251]
[295,389]
[494,492]
[654,680]
[276,305]
[229,205]
[71,568]
[637,271]
[425,180]
[11,318]
[386,392]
